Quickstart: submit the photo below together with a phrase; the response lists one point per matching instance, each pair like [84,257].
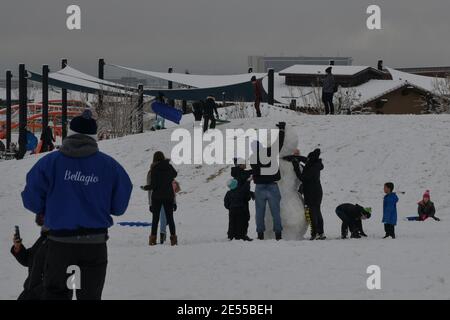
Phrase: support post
[101,75]
[141,108]
[23,111]
[45,72]
[171,102]
[271,82]
[8,109]
[64,105]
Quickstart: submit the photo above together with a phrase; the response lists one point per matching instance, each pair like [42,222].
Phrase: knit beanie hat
[84,124]
[232,184]
[368,212]
[426,195]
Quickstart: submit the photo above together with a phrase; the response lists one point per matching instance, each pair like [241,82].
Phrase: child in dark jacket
[425,209]
[389,210]
[236,202]
[34,259]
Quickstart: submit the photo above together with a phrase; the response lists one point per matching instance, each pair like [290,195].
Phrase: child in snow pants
[236,202]
[389,210]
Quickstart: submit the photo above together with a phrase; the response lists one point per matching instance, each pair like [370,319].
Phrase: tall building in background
[262,63]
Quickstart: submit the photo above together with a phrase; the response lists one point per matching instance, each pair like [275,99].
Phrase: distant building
[440,72]
[361,89]
[262,63]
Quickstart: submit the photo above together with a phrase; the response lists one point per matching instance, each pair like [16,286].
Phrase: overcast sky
[216,36]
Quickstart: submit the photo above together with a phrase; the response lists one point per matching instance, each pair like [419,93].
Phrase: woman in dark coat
[312,191]
[162,175]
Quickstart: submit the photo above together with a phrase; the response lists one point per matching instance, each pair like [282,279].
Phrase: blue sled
[134,224]
[167,112]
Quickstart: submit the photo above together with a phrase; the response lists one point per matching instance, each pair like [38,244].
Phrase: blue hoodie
[390,208]
[77,192]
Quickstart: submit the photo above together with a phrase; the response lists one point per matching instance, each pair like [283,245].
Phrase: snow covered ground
[360,153]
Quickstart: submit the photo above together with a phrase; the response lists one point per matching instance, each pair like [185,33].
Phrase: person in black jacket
[267,190]
[34,259]
[352,216]
[236,202]
[197,110]
[162,175]
[47,139]
[243,178]
[313,193]
[209,109]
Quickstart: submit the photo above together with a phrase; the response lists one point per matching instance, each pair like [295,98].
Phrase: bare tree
[347,100]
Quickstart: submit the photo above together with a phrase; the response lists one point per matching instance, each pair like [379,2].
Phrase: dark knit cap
[84,124]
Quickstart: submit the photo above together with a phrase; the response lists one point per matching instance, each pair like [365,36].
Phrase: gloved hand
[143,188]
[174,207]
[281,125]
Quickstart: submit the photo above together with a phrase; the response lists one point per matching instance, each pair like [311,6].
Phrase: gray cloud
[216,36]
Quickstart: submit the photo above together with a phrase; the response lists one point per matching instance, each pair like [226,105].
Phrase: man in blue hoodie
[77,189]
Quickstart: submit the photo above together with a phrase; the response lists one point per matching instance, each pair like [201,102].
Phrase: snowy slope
[360,154]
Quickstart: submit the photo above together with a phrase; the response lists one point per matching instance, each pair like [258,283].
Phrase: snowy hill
[360,153]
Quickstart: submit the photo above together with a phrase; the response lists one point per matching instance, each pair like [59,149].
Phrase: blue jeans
[162,221]
[267,193]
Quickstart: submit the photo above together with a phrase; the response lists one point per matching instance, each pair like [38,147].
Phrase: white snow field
[360,154]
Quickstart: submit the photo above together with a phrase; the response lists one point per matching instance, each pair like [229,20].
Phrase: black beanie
[84,124]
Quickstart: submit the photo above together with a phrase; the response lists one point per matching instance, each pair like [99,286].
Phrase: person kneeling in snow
[236,202]
[425,209]
[34,259]
[352,216]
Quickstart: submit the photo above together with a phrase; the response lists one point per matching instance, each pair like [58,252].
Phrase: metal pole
[8,109]
[23,111]
[64,105]
[45,72]
[170,87]
[271,87]
[101,75]
[141,108]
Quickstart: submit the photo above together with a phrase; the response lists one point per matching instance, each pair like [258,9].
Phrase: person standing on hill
[328,89]
[267,190]
[47,139]
[162,175]
[209,109]
[77,189]
[389,210]
[313,193]
[257,87]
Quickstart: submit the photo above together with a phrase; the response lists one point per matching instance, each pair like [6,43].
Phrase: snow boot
[355,235]
[152,240]
[260,235]
[321,237]
[173,240]
[386,236]
[344,236]
[313,237]
[362,234]
[278,236]
[162,238]
[246,238]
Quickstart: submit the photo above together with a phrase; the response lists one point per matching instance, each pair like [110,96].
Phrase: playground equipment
[34,119]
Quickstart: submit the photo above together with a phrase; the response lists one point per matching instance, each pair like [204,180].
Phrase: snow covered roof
[198,81]
[320,69]
[423,82]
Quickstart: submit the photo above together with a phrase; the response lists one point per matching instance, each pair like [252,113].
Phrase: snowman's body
[292,208]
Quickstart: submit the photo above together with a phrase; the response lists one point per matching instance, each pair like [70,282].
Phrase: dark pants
[258,110]
[348,223]
[168,209]
[390,230]
[316,219]
[92,259]
[206,120]
[327,99]
[238,223]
